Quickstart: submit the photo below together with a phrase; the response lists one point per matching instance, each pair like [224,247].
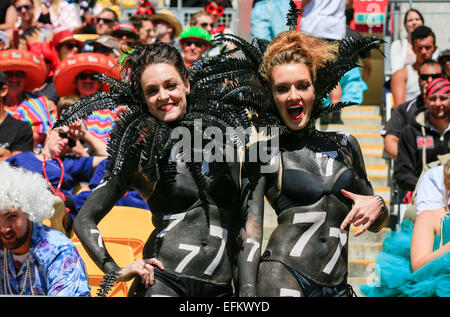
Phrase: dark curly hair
[143,55]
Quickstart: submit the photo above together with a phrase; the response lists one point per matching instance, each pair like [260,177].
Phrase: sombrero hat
[169,17]
[65,74]
[31,64]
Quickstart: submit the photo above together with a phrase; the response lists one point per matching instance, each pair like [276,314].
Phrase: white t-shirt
[430,192]
[325,19]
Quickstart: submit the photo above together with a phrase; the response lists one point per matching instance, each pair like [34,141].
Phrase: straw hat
[169,17]
[65,74]
[31,64]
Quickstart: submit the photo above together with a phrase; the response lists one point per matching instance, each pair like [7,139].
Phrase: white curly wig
[26,191]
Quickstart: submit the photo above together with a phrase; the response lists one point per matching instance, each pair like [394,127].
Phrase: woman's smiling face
[293,93]
[164,91]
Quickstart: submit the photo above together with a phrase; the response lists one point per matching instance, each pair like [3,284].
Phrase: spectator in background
[414,260]
[404,113]
[26,13]
[24,72]
[57,15]
[89,9]
[430,190]
[63,172]
[404,82]
[216,8]
[202,19]
[107,45]
[105,21]
[8,17]
[429,132]
[145,8]
[74,77]
[16,136]
[401,52]
[125,32]
[66,44]
[144,27]
[167,27]
[4,40]
[194,42]
[444,60]
[62,45]
[37,260]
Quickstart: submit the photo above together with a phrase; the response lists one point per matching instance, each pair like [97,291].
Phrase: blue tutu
[393,268]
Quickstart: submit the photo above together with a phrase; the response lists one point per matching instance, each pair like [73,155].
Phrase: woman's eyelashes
[284,89]
[154,90]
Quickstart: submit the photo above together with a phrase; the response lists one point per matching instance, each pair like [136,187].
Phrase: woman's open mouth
[167,107]
[295,112]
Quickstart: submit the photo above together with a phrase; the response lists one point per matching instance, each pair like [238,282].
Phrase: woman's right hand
[143,268]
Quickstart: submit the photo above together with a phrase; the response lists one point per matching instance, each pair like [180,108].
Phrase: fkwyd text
[228,306]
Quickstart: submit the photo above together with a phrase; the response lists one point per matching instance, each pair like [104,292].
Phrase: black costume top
[305,192]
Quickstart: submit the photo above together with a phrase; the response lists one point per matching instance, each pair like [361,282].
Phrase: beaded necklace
[5,275]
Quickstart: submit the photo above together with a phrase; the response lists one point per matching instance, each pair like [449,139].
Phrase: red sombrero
[67,71]
[28,62]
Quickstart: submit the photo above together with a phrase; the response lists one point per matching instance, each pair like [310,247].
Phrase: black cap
[2,79]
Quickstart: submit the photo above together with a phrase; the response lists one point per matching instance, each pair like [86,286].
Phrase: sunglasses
[84,76]
[124,34]
[102,49]
[211,9]
[71,142]
[426,76]
[190,42]
[105,20]
[17,74]
[71,46]
[204,25]
[27,7]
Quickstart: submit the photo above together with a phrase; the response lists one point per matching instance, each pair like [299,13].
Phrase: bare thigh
[275,280]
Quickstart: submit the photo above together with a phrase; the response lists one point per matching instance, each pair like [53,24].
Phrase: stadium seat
[122,254]
[126,225]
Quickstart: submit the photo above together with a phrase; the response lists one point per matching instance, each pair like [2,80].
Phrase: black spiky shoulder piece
[292,15]
[328,76]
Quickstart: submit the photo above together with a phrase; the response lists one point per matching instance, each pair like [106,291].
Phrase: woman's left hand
[365,211]
[143,268]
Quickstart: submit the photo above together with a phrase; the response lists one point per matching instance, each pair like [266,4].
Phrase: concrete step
[367,237]
[361,111]
[356,281]
[378,180]
[361,268]
[384,192]
[350,129]
[377,169]
[368,138]
[365,251]
[361,120]
[375,158]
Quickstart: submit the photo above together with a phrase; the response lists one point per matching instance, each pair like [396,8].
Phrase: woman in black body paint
[195,206]
[320,186]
